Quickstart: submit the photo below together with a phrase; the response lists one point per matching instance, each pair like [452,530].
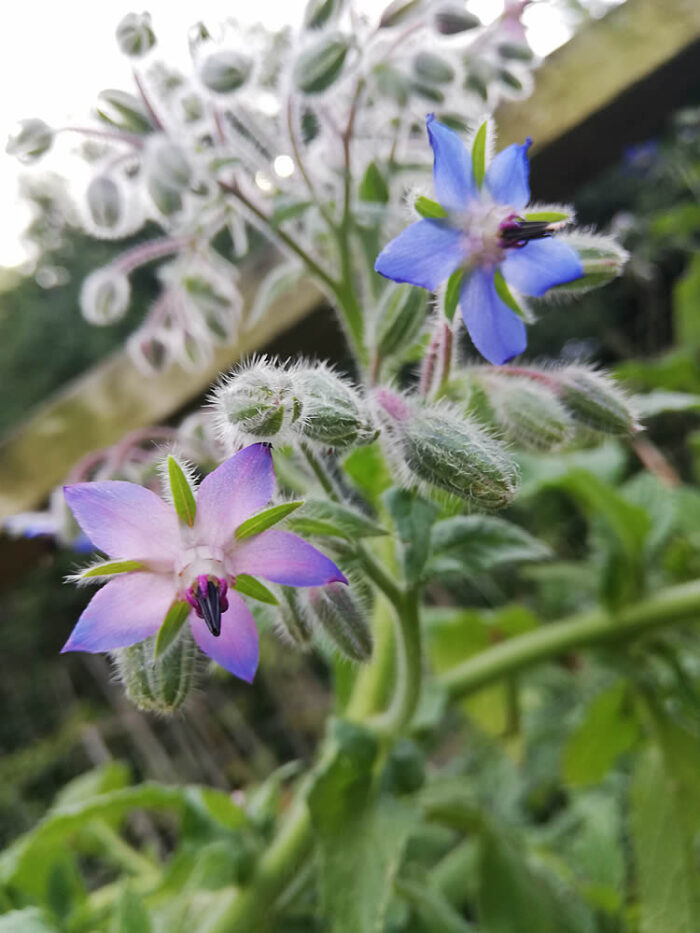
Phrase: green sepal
[479,154]
[183,497]
[112,567]
[261,521]
[249,586]
[552,217]
[506,296]
[429,209]
[454,284]
[175,618]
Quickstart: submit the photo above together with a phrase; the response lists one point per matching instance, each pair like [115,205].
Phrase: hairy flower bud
[257,403]
[135,36]
[439,447]
[30,141]
[332,411]
[602,259]
[225,71]
[342,619]
[166,161]
[105,202]
[123,110]
[399,320]
[293,621]
[594,400]
[158,686]
[529,412]
[320,64]
[452,18]
[104,297]
[398,11]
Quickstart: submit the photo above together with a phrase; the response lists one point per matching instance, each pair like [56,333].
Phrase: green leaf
[171,626]
[373,187]
[429,209]
[470,544]
[661,401]
[686,300]
[288,210]
[183,497]
[479,153]
[29,920]
[454,284]
[506,296]
[607,730]
[111,567]
[367,469]
[112,776]
[515,897]
[249,586]
[261,521]
[668,883]
[413,518]
[434,910]
[130,916]
[551,217]
[401,316]
[322,517]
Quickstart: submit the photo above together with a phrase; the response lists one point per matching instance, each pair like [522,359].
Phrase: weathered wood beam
[614,83]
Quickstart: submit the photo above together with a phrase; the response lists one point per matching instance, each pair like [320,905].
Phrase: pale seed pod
[341,618]
[105,202]
[104,296]
[158,686]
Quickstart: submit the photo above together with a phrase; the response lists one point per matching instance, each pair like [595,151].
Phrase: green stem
[675,604]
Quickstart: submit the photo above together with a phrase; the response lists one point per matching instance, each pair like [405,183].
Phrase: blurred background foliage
[571,795]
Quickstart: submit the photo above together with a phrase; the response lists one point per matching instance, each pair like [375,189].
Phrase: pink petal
[282,557]
[126,610]
[241,486]
[236,648]
[125,520]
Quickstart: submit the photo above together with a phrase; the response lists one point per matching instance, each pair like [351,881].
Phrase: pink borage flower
[169,561]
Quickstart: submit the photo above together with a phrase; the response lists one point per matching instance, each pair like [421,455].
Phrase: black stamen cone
[525,230]
[210,606]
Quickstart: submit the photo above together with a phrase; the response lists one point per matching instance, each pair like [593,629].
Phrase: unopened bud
[440,447]
[158,686]
[257,403]
[293,620]
[332,411]
[135,35]
[225,71]
[104,297]
[320,12]
[529,413]
[400,318]
[125,111]
[398,12]
[30,141]
[433,68]
[602,259]
[451,19]
[342,619]
[167,199]
[594,400]
[166,161]
[321,64]
[105,202]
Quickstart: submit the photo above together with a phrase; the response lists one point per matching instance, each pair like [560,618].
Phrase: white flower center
[481,223]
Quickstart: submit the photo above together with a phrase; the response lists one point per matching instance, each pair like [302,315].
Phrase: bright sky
[56,57]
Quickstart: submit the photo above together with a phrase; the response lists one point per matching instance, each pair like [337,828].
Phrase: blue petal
[236,647]
[496,331]
[541,264]
[425,254]
[507,178]
[282,557]
[454,180]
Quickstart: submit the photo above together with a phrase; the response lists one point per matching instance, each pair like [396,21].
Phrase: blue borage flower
[482,234]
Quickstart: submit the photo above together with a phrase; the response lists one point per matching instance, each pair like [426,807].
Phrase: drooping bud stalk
[105,295]
[595,400]
[293,619]
[438,446]
[529,412]
[256,403]
[30,141]
[332,411]
[343,620]
[158,686]
[135,35]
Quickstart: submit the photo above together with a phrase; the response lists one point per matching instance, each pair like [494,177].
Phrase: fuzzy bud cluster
[306,403]
[159,686]
[436,446]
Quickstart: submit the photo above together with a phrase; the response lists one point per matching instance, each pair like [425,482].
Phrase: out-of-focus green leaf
[111,776]
[130,916]
[607,730]
[470,544]
[413,518]
[434,911]
[367,468]
[661,401]
[29,920]
[686,300]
